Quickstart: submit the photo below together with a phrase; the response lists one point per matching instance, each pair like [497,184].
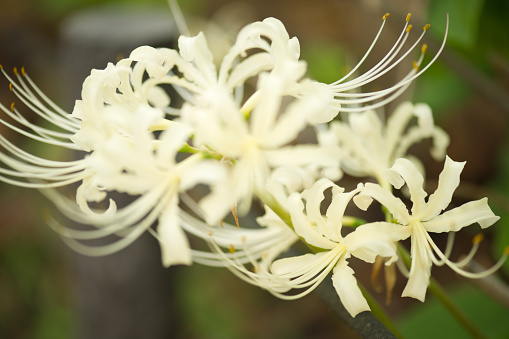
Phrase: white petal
[336,210]
[158,97]
[386,198]
[249,67]
[397,123]
[408,173]
[302,224]
[174,244]
[196,50]
[448,181]
[464,215]
[440,142]
[346,287]
[425,118]
[420,270]
[375,239]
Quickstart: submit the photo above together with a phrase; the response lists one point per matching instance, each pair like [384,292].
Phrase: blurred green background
[468,89]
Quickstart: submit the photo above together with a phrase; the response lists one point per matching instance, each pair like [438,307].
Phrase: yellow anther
[235,216]
[409,28]
[385,16]
[408,17]
[424,48]
[15,70]
[221,223]
[23,71]
[478,238]
[1,67]
[415,65]
[231,249]
[10,87]
[12,107]
[426,27]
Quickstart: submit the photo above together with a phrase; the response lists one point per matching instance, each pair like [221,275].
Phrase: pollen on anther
[10,87]
[424,48]
[478,238]
[15,70]
[12,107]
[385,16]
[23,71]
[231,249]
[408,17]
[409,28]
[415,65]
[426,27]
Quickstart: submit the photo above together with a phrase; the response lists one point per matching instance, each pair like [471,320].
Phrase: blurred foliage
[432,320]
[464,16]
[35,297]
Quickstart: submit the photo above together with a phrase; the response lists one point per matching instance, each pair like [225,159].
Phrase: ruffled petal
[375,239]
[302,224]
[386,198]
[404,171]
[448,181]
[347,289]
[464,215]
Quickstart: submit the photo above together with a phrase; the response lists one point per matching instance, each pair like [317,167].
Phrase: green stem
[442,296]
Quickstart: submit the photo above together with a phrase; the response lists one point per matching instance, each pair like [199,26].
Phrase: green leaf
[464,16]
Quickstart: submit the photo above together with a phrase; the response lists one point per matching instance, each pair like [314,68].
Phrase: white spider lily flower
[258,145]
[368,148]
[148,168]
[110,99]
[346,101]
[426,216]
[324,233]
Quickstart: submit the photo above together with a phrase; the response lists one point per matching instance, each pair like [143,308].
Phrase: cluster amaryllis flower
[227,141]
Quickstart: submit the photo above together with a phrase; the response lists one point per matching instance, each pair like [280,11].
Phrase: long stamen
[380,69]
[454,266]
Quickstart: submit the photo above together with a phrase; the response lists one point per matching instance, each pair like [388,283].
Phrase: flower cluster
[229,137]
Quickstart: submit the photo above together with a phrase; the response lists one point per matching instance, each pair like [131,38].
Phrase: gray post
[127,294]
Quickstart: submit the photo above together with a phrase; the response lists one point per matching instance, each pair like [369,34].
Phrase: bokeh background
[49,292]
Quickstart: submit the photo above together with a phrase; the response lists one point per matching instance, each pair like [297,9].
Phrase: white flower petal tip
[349,292]
[363,201]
